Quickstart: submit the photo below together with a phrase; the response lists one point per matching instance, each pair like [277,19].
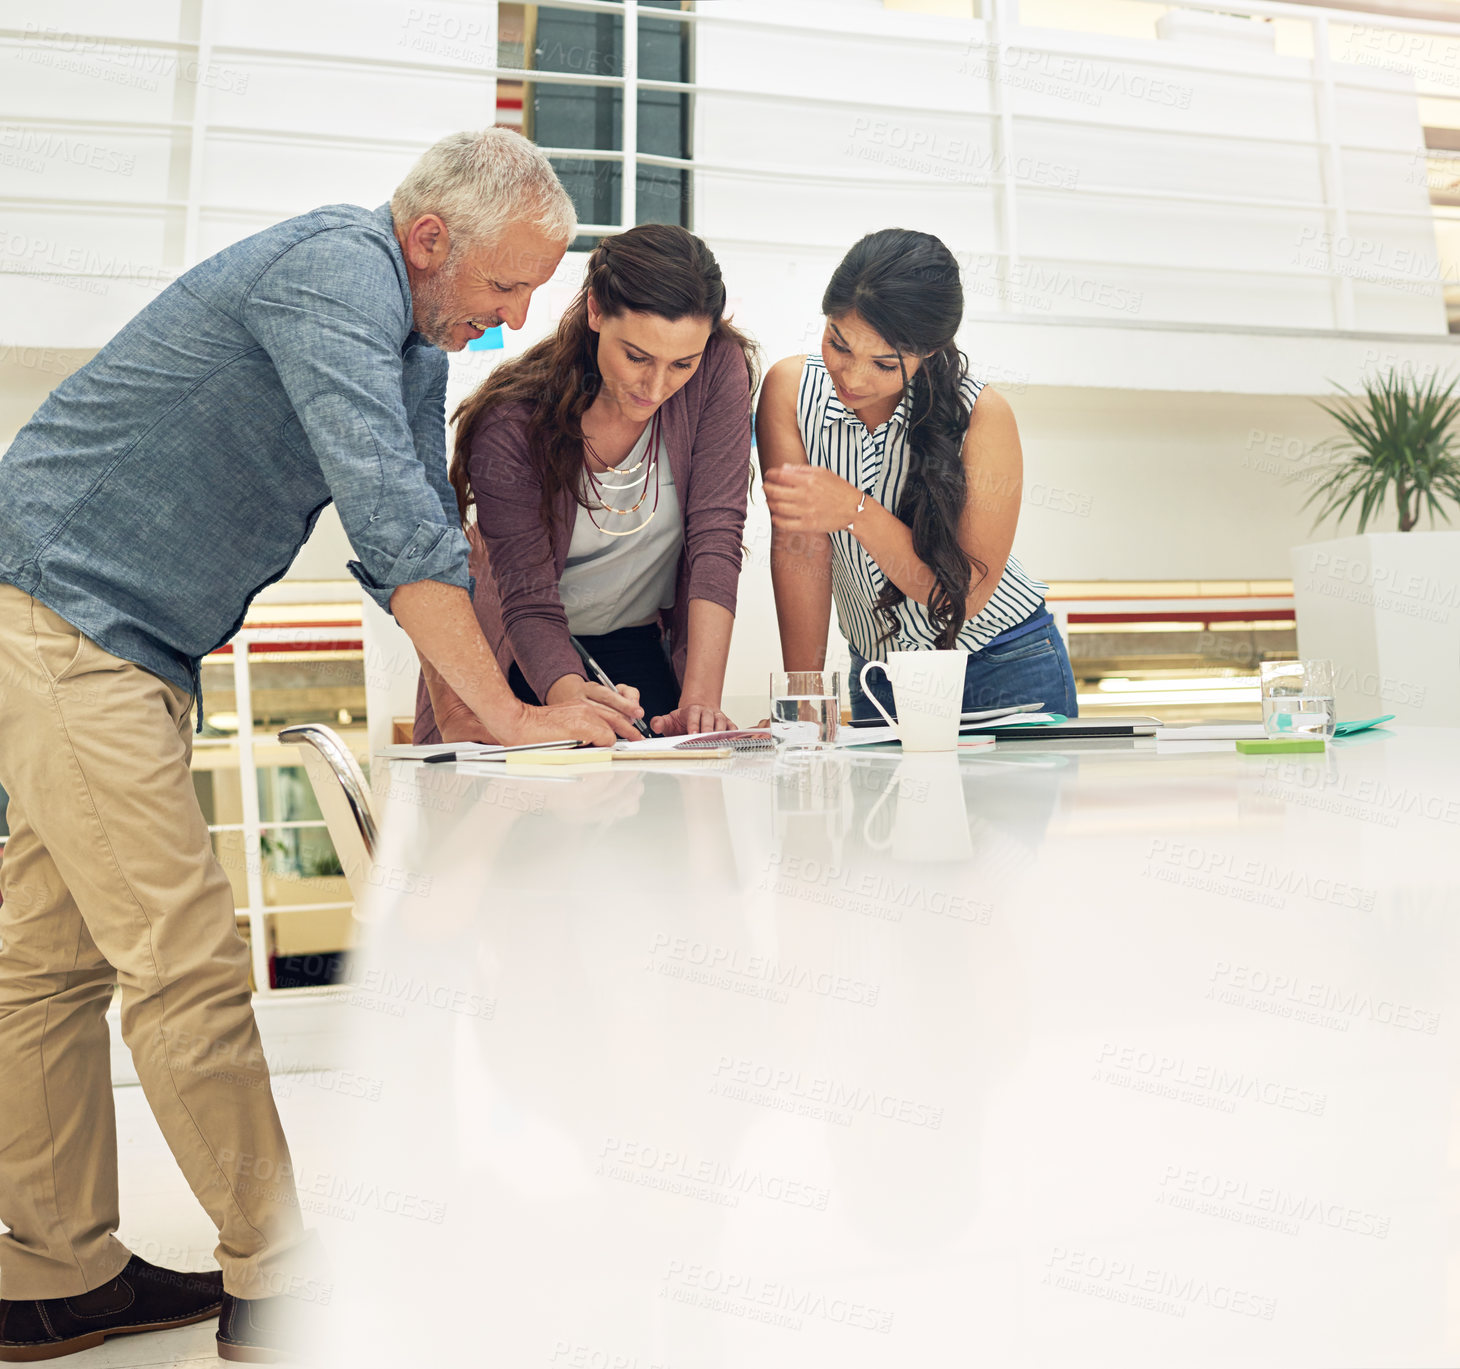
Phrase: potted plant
[1385,606]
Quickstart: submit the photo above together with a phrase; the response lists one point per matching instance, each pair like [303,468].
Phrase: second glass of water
[806,709]
[1298,698]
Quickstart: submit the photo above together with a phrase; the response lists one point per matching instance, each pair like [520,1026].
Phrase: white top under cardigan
[613,582]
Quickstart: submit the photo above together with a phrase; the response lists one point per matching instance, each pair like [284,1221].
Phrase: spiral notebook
[739,739]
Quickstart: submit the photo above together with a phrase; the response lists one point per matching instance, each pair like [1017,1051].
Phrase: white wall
[124,163]
[1203,486]
[141,138]
[920,145]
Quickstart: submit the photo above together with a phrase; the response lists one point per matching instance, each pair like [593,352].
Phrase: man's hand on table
[440,621]
[585,721]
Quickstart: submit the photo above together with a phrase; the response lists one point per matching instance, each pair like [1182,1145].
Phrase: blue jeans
[1035,666]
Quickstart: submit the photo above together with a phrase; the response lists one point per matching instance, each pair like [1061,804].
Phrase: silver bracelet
[860,507]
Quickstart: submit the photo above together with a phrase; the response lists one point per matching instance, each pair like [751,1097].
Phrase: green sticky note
[1267,745]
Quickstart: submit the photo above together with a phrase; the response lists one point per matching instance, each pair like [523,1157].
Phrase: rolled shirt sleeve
[332,315]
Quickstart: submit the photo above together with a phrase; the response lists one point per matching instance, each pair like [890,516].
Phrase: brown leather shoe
[256,1330]
[141,1298]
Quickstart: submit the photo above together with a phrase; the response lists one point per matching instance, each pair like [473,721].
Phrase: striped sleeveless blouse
[876,462]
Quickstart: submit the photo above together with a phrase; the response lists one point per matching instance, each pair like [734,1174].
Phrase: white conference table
[1075,1055]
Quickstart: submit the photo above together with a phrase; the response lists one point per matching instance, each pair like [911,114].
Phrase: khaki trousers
[109,878]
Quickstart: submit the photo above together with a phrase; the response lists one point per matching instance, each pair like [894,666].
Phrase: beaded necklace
[597,485]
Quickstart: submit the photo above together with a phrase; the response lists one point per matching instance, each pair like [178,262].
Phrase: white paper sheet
[657,743]
[1209,732]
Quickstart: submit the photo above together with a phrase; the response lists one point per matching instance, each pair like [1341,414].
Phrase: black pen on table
[446,757]
[598,670]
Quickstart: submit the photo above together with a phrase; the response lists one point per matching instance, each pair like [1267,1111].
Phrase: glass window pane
[286,795]
[576,41]
[663,195]
[300,866]
[596,191]
[663,192]
[588,117]
[663,44]
[576,116]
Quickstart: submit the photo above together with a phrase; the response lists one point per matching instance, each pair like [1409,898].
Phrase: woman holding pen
[609,468]
[894,481]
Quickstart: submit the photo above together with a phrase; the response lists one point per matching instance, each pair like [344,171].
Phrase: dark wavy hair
[906,287]
[656,268]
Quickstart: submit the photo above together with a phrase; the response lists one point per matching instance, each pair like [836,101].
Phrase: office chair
[343,797]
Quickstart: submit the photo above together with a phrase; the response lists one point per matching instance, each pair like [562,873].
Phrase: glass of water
[806,709]
[1298,698]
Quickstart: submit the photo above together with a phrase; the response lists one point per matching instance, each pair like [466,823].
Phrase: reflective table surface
[1090,1055]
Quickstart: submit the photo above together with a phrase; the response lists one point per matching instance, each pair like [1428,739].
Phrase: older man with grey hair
[154,493]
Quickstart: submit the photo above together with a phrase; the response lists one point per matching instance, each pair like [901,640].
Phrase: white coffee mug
[927,687]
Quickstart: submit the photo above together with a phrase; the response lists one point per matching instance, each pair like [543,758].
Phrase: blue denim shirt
[164,484]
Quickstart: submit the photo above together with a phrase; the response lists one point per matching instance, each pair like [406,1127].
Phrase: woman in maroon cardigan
[609,465]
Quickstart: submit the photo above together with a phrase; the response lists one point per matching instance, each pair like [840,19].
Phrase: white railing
[1006,125]
[256,910]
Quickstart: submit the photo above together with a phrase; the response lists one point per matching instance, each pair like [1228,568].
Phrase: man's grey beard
[433,300]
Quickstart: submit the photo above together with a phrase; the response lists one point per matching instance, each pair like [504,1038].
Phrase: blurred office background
[1179,224]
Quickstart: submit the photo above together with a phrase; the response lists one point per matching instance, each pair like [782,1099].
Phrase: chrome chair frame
[343,797]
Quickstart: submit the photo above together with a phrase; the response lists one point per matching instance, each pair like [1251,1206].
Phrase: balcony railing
[256,752]
[1009,125]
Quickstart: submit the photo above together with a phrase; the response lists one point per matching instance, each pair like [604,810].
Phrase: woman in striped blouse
[894,482]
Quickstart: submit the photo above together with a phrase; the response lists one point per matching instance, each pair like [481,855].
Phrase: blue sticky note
[489,341]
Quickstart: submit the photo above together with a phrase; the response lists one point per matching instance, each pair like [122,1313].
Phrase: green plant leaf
[1397,433]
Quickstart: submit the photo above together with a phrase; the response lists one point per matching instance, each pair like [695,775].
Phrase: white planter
[1385,608]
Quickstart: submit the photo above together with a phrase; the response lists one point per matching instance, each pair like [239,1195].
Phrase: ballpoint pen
[598,670]
[491,754]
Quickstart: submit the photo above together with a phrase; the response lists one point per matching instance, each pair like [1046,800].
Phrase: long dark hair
[656,268]
[905,286]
